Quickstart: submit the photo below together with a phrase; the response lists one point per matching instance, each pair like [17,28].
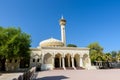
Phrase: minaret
[62,25]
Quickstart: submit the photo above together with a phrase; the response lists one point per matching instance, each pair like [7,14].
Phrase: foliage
[107,57]
[14,43]
[114,54]
[118,56]
[71,45]
[96,52]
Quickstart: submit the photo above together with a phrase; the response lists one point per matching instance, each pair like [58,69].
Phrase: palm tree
[108,57]
[118,56]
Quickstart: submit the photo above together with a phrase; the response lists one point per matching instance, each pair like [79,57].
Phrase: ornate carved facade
[49,58]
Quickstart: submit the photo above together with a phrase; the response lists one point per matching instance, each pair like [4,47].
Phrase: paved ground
[111,74]
[9,76]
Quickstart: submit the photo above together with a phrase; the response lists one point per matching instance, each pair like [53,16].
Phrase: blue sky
[87,20]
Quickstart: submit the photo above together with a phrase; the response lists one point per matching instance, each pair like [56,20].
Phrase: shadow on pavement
[53,78]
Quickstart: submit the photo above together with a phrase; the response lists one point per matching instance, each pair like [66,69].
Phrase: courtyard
[108,74]
[105,74]
[10,76]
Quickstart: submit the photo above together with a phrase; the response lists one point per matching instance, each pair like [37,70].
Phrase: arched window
[10,60]
[15,60]
[33,60]
[38,60]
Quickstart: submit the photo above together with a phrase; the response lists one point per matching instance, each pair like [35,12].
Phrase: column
[42,62]
[68,61]
[89,61]
[72,61]
[42,59]
[81,61]
[60,61]
[53,61]
[63,62]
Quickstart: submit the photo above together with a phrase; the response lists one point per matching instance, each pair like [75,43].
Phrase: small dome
[51,43]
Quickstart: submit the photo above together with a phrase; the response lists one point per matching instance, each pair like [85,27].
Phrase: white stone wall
[35,59]
[42,52]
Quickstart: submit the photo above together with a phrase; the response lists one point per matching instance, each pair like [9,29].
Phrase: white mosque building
[53,53]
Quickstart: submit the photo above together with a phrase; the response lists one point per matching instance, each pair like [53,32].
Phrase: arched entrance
[77,60]
[24,62]
[48,62]
[48,58]
[68,62]
[57,61]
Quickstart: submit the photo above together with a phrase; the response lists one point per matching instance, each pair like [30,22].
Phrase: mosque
[53,53]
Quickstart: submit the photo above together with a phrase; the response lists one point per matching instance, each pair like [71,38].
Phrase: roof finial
[62,17]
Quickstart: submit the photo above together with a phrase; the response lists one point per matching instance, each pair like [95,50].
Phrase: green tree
[118,56]
[114,54]
[107,57]
[71,45]
[13,44]
[96,52]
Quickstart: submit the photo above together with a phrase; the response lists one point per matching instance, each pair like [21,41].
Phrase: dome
[51,43]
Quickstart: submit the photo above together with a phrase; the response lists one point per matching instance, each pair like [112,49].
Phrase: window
[15,60]
[33,60]
[10,60]
[38,60]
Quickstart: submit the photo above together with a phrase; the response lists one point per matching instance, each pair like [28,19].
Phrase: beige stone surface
[111,74]
[9,76]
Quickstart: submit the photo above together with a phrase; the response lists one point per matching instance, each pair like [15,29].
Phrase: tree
[71,45]
[13,44]
[107,57]
[96,52]
[118,56]
[114,54]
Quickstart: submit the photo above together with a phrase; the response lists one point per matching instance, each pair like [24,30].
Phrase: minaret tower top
[62,21]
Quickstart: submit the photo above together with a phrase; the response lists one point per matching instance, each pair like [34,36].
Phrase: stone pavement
[108,74]
[9,76]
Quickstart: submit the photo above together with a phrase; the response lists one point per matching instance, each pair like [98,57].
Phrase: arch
[24,63]
[36,54]
[68,62]
[48,58]
[57,60]
[76,60]
[85,60]
[36,58]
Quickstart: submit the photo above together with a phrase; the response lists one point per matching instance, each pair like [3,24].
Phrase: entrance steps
[58,68]
[70,68]
[79,68]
